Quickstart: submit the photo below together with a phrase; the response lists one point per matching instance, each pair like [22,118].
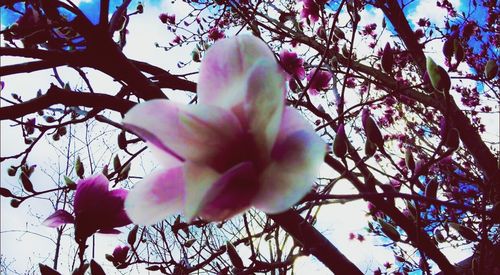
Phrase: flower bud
[440,79]
[122,140]
[389,230]
[340,142]
[491,69]
[27,184]
[15,203]
[448,47]
[233,256]
[79,169]
[459,51]
[12,171]
[132,235]
[438,236]
[387,58]
[4,192]
[409,160]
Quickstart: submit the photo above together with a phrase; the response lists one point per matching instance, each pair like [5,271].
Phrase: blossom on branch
[318,81]
[239,147]
[96,209]
[293,64]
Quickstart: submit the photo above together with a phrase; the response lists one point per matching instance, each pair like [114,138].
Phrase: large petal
[199,179]
[187,132]
[224,68]
[157,196]
[59,217]
[297,156]
[90,192]
[265,102]
[217,197]
[232,194]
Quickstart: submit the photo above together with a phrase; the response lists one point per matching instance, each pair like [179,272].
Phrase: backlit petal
[89,192]
[157,196]
[265,102]
[224,68]
[199,179]
[187,132]
[296,160]
[231,194]
[59,217]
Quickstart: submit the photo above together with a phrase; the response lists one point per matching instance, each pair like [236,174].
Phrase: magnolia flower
[293,64]
[215,34]
[319,82]
[96,209]
[120,254]
[311,8]
[239,147]
[167,18]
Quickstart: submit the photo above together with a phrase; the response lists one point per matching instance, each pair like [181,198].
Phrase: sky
[21,250]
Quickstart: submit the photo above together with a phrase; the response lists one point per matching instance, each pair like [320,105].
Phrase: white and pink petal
[265,102]
[296,159]
[58,218]
[156,197]
[186,132]
[224,68]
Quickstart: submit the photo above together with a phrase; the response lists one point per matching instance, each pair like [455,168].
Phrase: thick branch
[315,242]
[57,95]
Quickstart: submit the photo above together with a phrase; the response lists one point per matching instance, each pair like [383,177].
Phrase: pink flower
[293,64]
[239,147]
[176,40]
[167,18]
[319,82]
[310,10]
[96,209]
[120,254]
[215,34]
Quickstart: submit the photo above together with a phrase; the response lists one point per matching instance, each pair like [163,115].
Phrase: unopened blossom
[319,81]
[96,209]
[293,64]
[238,147]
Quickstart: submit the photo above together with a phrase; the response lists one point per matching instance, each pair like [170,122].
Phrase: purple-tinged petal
[187,132]
[198,179]
[293,64]
[120,253]
[157,196]
[224,68]
[231,194]
[59,217]
[265,102]
[90,192]
[297,156]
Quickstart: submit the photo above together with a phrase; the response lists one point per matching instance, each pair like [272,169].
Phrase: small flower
[319,82]
[360,238]
[167,18]
[352,236]
[310,9]
[293,64]
[176,40]
[239,147]
[215,34]
[120,254]
[96,209]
